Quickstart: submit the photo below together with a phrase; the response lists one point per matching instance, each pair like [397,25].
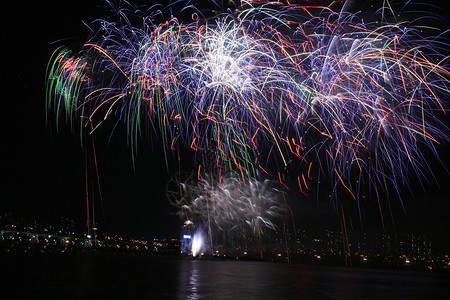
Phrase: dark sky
[44,169]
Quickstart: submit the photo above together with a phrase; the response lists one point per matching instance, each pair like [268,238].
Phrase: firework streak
[267,84]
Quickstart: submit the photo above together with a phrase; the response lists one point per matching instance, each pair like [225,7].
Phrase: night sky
[44,169]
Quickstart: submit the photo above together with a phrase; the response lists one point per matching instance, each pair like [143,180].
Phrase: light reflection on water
[146,277]
[192,289]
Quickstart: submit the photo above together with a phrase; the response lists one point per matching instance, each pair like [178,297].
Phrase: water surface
[158,277]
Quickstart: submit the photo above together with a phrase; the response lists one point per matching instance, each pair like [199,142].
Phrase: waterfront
[413,251]
[126,276]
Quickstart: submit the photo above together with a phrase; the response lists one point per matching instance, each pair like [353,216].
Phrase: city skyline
[20,235]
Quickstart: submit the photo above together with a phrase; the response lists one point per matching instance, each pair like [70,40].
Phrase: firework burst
[265,88]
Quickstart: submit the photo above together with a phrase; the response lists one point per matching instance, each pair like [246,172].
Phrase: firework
[231,207]
[197,244]
[264,88]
